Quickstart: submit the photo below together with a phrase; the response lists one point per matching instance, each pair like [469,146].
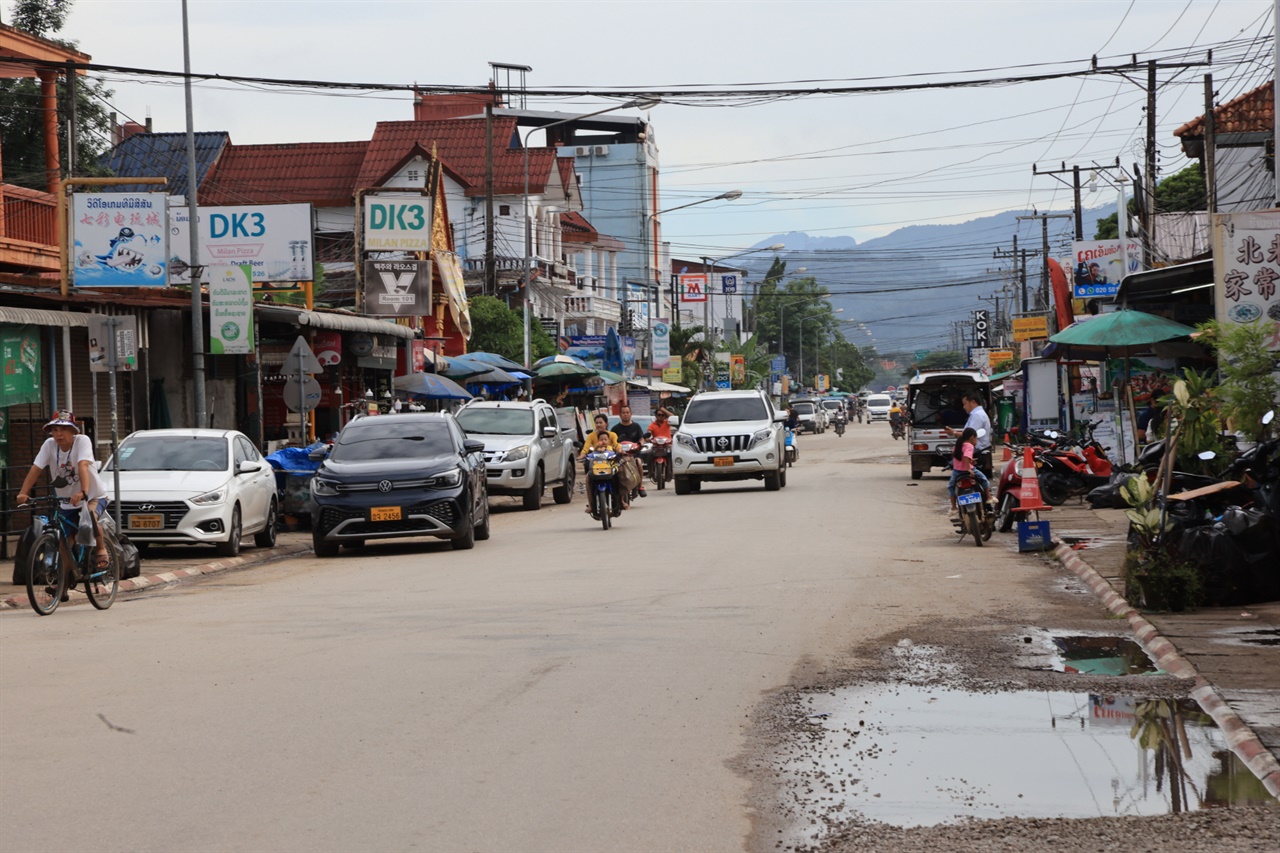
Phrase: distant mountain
[908,285]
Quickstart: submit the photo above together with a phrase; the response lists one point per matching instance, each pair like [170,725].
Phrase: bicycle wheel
[101,585]
[46,580]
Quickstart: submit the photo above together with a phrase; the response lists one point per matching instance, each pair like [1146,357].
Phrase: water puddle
[1101,656]
[919,756]
[1084,541]
[1263,637]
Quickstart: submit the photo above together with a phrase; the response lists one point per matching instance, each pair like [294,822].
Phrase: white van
[878,406]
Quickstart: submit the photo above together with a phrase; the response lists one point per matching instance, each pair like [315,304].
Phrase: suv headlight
[515,454]
[210,498]
[761,435]
[323,487]
[686,440]
[448,479]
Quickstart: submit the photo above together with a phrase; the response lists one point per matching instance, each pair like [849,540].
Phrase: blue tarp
[295,460]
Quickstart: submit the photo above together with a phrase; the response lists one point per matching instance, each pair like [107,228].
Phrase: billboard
[661,343]
[273,239]
[1030,329]
[693,287]
[1097,266]
[230,309]
[394,288]
[605,352]
[119,240]
[397,223]
[1246,269]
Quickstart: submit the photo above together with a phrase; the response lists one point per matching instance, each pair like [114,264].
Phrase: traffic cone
[1008,451]
[1029,493]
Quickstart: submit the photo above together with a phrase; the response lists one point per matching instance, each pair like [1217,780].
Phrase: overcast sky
[857,165]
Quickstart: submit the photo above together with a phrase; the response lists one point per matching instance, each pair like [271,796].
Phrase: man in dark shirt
[629,430]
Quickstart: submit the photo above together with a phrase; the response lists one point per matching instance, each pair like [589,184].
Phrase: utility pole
[1015,254]
[1044,251]
[1149,238]
[1210,141]
[490,264]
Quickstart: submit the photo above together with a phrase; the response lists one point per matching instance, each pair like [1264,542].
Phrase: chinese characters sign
[120,240]
[1246,269]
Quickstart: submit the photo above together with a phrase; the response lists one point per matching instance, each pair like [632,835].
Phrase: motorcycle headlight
[515,454]
[686,440]
[210,498]
[449,479]
[761,435]
[323,487]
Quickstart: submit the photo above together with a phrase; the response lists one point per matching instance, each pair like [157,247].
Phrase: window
[173,453]
[478,421]
[730,409]
[413,175]
[504,210]
[369,441]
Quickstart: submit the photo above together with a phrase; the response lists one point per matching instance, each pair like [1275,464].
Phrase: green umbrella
[564,369]
[611,378]
[1118,333]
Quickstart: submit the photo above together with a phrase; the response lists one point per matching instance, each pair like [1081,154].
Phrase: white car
[194,486]
[878,406]
[729,435]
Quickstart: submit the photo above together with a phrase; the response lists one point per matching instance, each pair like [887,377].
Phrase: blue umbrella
[492,358]
[559,359]
[433,386]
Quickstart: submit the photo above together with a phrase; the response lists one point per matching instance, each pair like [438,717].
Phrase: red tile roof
[459,143]
[323,173]
[575,229]
[1252,112]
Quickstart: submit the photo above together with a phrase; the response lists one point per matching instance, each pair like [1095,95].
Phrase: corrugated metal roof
[156,155]
[322,173]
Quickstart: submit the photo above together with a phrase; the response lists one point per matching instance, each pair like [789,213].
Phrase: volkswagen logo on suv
[384,486]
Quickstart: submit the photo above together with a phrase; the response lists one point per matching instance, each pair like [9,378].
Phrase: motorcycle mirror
[1268,417]
[1206,455]
[1052,433]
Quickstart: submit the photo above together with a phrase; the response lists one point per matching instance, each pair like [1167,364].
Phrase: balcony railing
[29,216]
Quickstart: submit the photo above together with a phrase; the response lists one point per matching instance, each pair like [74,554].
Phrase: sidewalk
[1233,653]
[169,564]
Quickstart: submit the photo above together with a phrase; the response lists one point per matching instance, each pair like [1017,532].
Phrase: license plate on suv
[723,461]
[384,513]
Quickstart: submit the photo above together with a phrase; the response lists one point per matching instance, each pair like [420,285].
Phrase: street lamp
[804,320]
[639,103]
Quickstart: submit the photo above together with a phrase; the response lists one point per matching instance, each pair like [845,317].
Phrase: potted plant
[1155,577]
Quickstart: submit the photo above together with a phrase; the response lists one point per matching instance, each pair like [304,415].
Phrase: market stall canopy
[559,359]
[494,377]
[1119,333]
[495,359]
[430,385]
[332,320]
[563,369]
[611,378]
[460,368]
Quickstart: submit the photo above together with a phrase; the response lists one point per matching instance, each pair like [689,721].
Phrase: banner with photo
[397,288]
[1097,266]
[273,239]
[119,240]
[230,309]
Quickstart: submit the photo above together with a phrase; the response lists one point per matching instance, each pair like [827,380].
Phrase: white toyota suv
[729,435]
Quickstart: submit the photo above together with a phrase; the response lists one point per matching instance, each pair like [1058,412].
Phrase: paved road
[558,688]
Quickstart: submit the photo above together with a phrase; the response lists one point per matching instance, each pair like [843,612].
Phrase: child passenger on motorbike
[602,440]
[962,463]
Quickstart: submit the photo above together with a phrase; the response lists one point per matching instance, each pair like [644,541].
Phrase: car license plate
[723,461]
[384,513]
[971,498]
[146,522]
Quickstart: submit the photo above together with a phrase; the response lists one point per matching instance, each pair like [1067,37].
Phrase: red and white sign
[328,348]
[693,287]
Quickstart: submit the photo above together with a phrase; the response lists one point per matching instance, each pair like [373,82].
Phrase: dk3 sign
[397,223]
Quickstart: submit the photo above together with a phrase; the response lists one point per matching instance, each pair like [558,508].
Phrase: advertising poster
[1245,276]
[230,309]
[126,342]
[693,287]
[397,223]
[274,239]
[661,345]
[1097,266]
[20,357]
[394,288]
[119,240]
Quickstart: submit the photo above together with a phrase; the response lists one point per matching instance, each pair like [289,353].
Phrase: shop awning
[337,322]
[40,317]
[1159,285]
[658,386]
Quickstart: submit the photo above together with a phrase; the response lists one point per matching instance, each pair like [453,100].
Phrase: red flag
[1061,295]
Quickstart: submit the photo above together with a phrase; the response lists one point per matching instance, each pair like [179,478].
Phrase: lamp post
[804,320]
[643,104]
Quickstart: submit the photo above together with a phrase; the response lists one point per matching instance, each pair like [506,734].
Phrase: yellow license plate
[723,461]
[146,522]
[384,513]
[602,468]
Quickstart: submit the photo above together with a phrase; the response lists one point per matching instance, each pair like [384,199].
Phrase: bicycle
[55,563]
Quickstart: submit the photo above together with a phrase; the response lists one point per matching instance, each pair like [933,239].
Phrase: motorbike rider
[793,418]
[661,425]
[962,462]
[629,430]
[895,418]
[601,440]
[979,423]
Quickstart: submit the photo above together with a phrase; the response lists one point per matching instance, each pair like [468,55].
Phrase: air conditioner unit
[582,151]
[602,150]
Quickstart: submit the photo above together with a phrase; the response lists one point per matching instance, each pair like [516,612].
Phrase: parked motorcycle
[602,482]
[660,461]
[975,517]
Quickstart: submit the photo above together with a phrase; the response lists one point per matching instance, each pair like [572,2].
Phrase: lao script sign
[120,239]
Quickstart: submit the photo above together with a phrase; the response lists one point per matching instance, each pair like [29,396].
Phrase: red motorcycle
[660,461]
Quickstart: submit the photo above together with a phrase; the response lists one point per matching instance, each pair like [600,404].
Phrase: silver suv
[729,435]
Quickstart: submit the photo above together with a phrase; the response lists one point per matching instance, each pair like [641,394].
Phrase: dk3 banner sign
[230,309]
[273,239]
[397,223]
[120,239]
[397,288]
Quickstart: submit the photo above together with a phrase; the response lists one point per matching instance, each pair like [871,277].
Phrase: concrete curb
[1240,738]
[163,579]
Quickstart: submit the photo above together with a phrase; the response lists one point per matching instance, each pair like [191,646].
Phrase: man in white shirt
[73,470]
[981,424]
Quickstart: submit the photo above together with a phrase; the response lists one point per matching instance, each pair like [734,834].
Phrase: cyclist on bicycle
[68,454]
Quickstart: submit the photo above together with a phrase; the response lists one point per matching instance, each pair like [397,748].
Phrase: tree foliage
[497,328]
[1184,190]
[939,360]
[21,118]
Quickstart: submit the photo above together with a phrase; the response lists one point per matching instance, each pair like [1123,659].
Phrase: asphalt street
[558,688]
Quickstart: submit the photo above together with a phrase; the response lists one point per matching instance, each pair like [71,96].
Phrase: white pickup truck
[526,448]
